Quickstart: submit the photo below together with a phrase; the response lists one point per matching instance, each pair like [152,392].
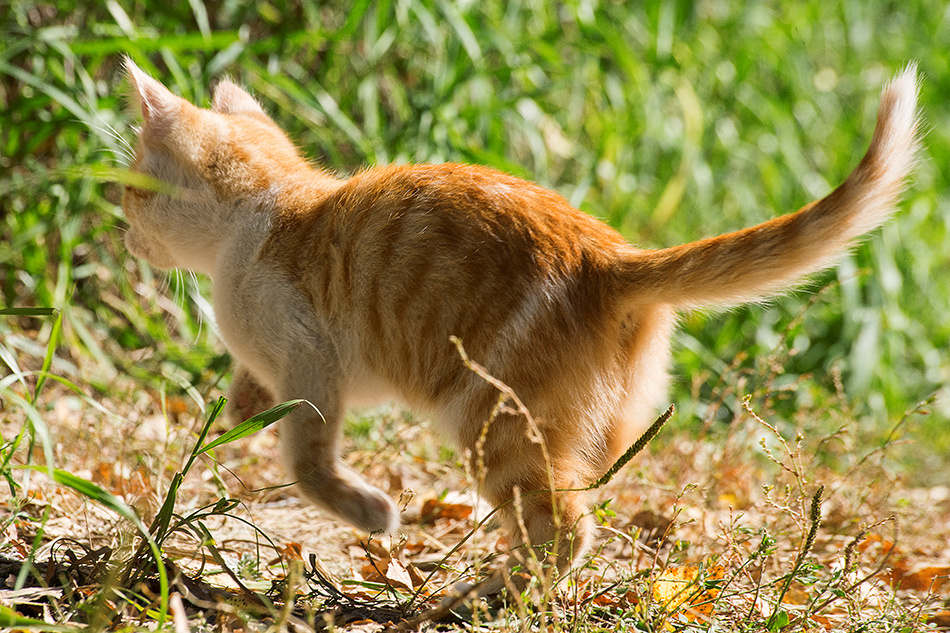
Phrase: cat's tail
[762,260]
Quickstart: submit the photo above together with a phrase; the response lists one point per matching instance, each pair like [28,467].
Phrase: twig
[815,516]
[637,446]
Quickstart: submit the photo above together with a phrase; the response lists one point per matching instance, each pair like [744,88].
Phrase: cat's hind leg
[246,397]
[547,516]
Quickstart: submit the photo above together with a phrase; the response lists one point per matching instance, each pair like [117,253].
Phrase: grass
[670,120]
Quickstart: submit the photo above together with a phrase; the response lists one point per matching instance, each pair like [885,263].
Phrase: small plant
[669,120]
[148,561]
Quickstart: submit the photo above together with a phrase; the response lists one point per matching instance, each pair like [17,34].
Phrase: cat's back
[451,208]
[403,257]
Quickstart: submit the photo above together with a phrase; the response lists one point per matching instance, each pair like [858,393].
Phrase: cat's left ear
[159,107]
[229,98]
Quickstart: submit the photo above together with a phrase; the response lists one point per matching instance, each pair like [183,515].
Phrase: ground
[671,121]
[696,530]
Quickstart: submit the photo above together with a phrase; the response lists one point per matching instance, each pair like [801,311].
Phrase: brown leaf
[418,580]
[873,540]
[416,547]
[922,579]
[683,585]
[435,509]
[823,621]
[11,536]
[292,551]
[902,572]
[391,572]
[398,575]
[940,620]
[371,573]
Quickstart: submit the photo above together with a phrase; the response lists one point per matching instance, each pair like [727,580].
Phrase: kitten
[344,291]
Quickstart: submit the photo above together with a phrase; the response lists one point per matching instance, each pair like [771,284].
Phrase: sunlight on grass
[670,120]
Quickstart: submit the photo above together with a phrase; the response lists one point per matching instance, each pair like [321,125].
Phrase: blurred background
[671,121]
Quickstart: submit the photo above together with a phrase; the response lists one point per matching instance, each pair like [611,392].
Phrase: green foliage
[15,621]
[113,503]
[671,120]
[162,526]
[167,520]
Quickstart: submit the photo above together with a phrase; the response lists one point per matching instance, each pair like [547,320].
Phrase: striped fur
[344,291]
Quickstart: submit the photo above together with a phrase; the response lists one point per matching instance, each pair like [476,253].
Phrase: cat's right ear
[158,106]
[230,98]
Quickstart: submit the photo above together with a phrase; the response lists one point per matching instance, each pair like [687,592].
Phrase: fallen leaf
[872,540]
[902,572]
[823,621]
[370,573]
[292,551]
[921,579]
[940,620]
[11,536]
[418,580]
[398,575]
[685,585]
[435,509]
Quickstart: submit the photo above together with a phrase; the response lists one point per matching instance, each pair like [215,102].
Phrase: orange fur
[343,291]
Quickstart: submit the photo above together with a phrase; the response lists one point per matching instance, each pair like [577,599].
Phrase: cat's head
[198,170]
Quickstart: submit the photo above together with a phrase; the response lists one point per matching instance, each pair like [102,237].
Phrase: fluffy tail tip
[894,148]
[899,106]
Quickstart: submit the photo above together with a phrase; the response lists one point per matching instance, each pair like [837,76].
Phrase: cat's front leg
[309,440]
[246,397]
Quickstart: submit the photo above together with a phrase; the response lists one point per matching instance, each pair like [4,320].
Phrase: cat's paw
[349,497]
[373,511]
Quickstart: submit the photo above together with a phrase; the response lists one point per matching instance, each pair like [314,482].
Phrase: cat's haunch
[344,291]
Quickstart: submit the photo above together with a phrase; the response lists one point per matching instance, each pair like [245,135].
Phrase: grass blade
[10,619]
[34,312]
[90,490]
[253,425]
[201,18]
[212,416]
[111,502]
[48,359]
[39,428]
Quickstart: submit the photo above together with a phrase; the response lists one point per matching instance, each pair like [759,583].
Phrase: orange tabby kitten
[344,291]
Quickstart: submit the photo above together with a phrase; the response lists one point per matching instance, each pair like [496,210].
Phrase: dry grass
[670,120]
[719,530]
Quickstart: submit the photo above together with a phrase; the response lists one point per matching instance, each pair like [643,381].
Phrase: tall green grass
[670,120]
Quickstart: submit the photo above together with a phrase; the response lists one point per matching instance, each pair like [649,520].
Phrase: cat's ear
[229,98]
[158,106]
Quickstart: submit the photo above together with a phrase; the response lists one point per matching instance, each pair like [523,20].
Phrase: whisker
[177,278]
[122,153]
[196,290]
[164,285]
[105,131]
[117,136]
[117,156]
[125,147]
